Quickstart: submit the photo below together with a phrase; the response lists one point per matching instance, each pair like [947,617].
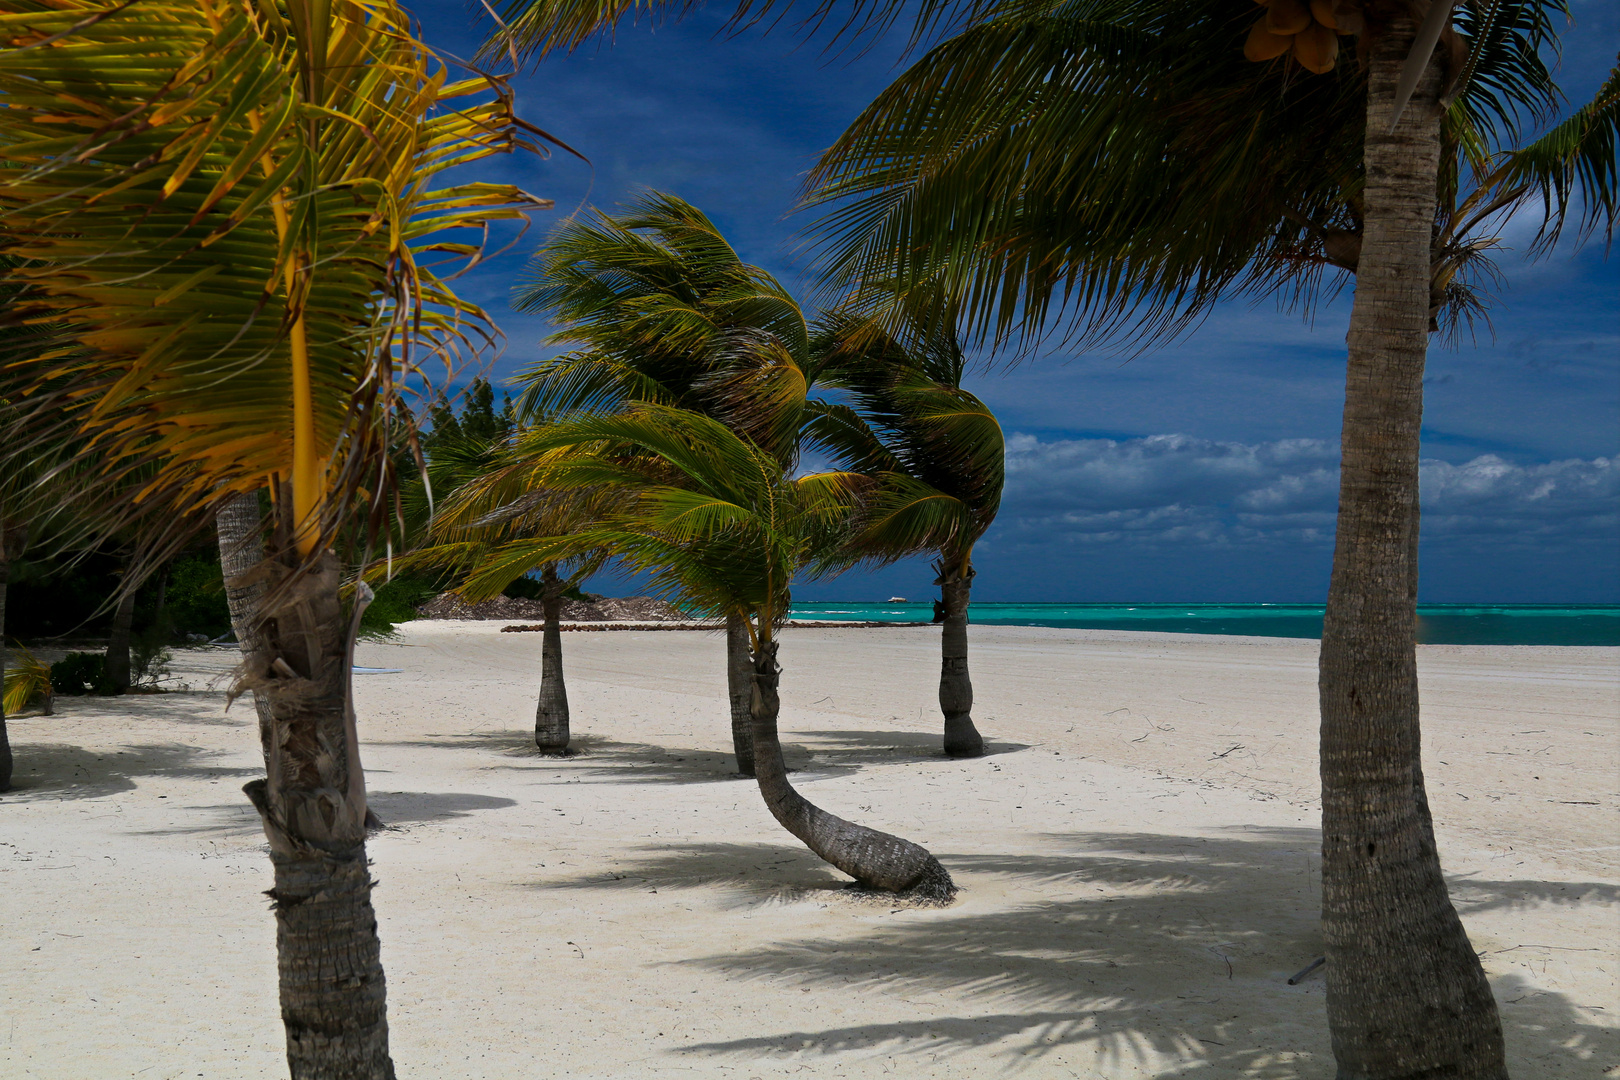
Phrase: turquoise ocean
[1438,624]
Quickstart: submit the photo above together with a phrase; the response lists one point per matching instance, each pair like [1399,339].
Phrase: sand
[1138,860]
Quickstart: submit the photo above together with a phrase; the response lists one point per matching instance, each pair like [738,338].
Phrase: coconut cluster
[1307,31]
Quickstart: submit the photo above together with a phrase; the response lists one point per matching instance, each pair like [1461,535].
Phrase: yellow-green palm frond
[231,205]
[27,679]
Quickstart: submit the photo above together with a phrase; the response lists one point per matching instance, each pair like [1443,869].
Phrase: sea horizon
[1438,624]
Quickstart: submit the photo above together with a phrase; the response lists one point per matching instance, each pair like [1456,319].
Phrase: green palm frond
[231,206]
[534,28]
[1573,167]
[712,517]
[1112,168]
[1109,169]
[661,308]
[936,451]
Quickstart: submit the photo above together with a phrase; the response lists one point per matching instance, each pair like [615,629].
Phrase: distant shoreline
[1438,624]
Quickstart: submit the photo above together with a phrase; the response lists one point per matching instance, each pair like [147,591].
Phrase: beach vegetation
[938,458]
[233,233]
[26,682]
[655,305]
[722,528]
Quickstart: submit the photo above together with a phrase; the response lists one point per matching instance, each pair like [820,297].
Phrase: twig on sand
[1307,969]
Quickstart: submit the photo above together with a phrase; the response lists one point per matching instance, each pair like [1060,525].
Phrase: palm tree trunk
[236,526]
[313,807]
[6,762]
[551,715]
[962,739]
[875,859]
[740,688]
[118,640]
[1406,996]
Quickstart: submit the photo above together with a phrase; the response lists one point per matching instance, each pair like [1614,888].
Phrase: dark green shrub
[194,598]
[79,673]
[524,588]
[397,602]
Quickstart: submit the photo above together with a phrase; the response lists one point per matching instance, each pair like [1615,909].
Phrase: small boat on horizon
[897,600]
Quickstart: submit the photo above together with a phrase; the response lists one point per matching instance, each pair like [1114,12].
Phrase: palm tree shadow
[887,747]
[400,808]
[1140,948]
[817,755]
[64,771]
[598,758]
[396,810]
[752,874]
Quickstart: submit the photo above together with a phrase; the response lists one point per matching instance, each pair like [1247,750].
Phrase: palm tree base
[962,739]
[933,889]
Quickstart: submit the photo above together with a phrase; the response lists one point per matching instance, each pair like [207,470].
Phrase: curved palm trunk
[313,807]
[873,858]
[1406,996]
[236,526]
[6,762]
[962,739]
[551,715]
[118,641]
[740,689]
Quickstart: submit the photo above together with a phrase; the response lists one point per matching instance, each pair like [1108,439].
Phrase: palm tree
[496,499]
[1145,254]
[940,460]
[659,307]
[1194,193]
[1115,168]
[237,529]
[724,528]
[226,203]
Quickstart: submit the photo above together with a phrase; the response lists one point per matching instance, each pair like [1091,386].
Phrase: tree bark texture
[6,761]
[241,549]
[740,687]
[551,714]
[313,807]
[1406,996]
[118,640]
[962,739]
[875,859]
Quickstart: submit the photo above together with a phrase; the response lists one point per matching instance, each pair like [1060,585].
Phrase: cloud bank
[1173,490]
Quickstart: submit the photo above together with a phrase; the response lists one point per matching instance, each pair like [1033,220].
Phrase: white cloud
[1176,490]
[1490,496]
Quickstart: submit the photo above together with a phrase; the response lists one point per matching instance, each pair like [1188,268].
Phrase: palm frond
[527,29]
[663,309]
[1573,167]
[229,206]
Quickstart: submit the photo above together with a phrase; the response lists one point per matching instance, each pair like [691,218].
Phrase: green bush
[149,655]
[194,599]
[397,602]
[525,588]
[78,673]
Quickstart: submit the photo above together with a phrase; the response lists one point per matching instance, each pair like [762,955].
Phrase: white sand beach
[1138,859]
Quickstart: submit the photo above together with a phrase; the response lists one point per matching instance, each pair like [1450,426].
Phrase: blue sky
[1204,471]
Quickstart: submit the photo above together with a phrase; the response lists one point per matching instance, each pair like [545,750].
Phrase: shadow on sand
[1135,948]
[64,771]
[817,755]
[398,808]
